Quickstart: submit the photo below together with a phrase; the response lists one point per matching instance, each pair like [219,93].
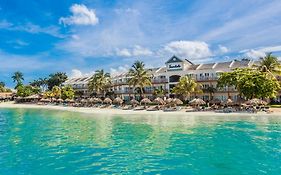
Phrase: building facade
[167,77]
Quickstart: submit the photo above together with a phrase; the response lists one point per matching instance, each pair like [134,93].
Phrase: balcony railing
[150,91]
[206,78]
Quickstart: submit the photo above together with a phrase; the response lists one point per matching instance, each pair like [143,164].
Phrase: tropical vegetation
[186,87]
[24,91]
[100,82]
[250,83]
[139,77]
[269,64]
[3,87]
[18,78]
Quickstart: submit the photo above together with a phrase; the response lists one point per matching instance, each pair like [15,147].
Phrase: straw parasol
[256,101]
[59,100]
[35,96]
[159,101]
[228,102]
[45,100]
[145,101]
[118,100]
[216,101]
[69,101]
[84,101]
[197,101]
[95,100]
[169,100]
[134,102]
[177,101]
[107,101]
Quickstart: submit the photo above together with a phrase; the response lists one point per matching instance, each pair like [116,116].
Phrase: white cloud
[261,51]
[254,53]
[223,49]
[119,70]
[271,49]
[135,51]
[75,73]
[123,52]
[31,28]
[187,49]
[81,15]
[141,51]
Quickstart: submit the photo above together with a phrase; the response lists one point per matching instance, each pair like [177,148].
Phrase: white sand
[110,111]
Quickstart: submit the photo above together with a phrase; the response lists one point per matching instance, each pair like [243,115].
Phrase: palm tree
[139,77]
[99,82]
[186,86]
[56,91]
[158,92]
[270,64]
[211,90]
[18,78]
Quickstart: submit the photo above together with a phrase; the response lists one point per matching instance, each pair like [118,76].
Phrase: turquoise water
[54,142]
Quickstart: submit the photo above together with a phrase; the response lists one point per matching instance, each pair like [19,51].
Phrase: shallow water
[56,142]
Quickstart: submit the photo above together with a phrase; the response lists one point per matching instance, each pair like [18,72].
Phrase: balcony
[159,81]
[150,91]
[206,78]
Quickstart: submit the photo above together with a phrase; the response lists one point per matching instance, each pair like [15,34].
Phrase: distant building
[168,76]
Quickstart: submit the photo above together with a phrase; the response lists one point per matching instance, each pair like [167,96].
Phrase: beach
[115,111]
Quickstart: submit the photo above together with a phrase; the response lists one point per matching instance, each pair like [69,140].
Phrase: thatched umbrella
[84,101]
[35,96]
[228,102]
[215,101]
[145,101]
[168,100]
[118,100]
[177,101]
[69,101]
[95,100]
[134,102]
[256,101]
[197,101]
[107,101]
[45,100]
[159,101]
[59,100]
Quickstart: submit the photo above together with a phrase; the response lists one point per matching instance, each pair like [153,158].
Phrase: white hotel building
[168,76]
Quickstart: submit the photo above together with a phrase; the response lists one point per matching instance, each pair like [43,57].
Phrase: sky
[81,36]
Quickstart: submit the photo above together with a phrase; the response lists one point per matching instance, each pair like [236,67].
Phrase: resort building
[167,77]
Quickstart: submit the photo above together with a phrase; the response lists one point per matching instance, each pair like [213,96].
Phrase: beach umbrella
[84,101]
[145,101]
[197,101]
[95,100]
[59,100]
[107,101]
[45,100]
[228,102]
[177,101]
[215,101]
[256,101]
[169,100]
[118,100]
[69,101]
[134,102]
[159,101]
[35,96]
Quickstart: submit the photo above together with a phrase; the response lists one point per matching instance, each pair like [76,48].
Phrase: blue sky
[79,37]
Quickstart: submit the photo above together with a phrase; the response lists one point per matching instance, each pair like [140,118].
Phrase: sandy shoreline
[120,111]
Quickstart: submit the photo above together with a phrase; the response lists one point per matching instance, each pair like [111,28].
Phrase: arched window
[174,78]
